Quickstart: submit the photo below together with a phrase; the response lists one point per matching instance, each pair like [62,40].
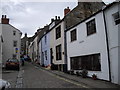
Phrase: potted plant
[84,73]
[94,76]
[77,73]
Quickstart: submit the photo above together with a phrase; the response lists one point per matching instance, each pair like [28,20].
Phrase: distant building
[24,45]
[12,40]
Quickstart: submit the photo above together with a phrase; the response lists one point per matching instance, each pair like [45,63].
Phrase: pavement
[88,82]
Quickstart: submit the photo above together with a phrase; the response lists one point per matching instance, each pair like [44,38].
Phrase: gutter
[108,51]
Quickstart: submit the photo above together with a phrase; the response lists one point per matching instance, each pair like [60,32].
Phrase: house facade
[1,42]
[112,22]
[93,44]
[57,46]
[24,45]
[45,49]
[12,40]
[86,47]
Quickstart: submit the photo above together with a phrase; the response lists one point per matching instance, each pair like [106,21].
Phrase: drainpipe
[108,52]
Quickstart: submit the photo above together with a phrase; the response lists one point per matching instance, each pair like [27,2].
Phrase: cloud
[29,15]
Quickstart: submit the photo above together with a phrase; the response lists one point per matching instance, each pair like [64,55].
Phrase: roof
[12,26]
[109,5]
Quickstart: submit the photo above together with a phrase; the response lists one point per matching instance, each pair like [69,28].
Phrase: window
[46,55]
[73,35]
[15,43]
[58,32]
[89,62]
[91,27]
[14,33]
[58,52]
[116,17]
[14,56]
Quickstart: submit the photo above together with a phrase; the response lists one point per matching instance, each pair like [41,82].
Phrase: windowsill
[73,41]
[91,34]
[58,38]
[58,60]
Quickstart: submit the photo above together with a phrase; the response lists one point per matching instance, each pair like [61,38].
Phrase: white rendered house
[12,40]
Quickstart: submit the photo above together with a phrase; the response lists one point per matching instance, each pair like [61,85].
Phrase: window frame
[91,27]
[59,52]
[90,62]
[58,32]
[14,43]
[73,35]
[14,33]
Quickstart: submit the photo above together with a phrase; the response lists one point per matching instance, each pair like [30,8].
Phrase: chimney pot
[58,17]
[5,16]
[2,16]
[55,17]
[52,20]
[66,11]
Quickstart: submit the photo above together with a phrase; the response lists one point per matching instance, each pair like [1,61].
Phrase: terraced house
[93,44]
[12,40]
[1,42]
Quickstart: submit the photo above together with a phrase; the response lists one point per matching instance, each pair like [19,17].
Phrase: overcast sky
[29,16]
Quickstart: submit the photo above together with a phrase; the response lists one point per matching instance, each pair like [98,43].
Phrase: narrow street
[31,76]
[34,77]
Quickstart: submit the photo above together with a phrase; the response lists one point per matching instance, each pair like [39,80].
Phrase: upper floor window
[46,55]
[15,43]
[73,35]
[58,32]
[116,17]
[14,33]
[58,52]
[14,56]
[91,27]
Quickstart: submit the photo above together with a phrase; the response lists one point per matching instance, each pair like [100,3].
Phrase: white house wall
[0,44]
[40,53]
[35,48]
[114,42]
[86,45]
[8,49]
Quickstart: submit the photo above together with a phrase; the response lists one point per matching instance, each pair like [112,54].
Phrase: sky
[30,15]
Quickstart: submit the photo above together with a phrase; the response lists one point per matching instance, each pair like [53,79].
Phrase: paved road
[34,77]
[10,76]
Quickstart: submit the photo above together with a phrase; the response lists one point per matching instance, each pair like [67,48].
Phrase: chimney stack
[4,19]
[66,11]
[58,17]
[52,19]
[55,17]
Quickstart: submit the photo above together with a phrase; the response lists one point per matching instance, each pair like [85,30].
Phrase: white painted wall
[114,42]
[30,50]
[35,48]
[8,49]
[40,52]
[85,45]
[54,43]
[0,44]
